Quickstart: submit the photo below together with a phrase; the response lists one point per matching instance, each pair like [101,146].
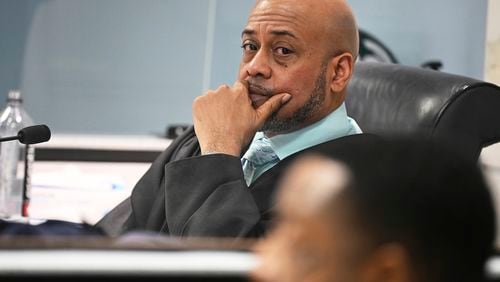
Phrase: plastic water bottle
[15,159]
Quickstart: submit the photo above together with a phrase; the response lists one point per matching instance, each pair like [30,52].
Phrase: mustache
[255,88]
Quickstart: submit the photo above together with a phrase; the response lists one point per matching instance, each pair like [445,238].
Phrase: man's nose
[259,65]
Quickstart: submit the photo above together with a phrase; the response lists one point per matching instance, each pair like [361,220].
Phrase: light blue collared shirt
[337,124]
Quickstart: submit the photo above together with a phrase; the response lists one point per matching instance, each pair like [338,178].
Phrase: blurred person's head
[386,211]
[304,48]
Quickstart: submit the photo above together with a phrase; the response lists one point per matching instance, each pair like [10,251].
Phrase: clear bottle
[15,159]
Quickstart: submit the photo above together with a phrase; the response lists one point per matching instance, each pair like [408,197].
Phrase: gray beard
[274,125]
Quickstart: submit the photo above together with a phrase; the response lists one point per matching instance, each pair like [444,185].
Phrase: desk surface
[137,262]
[134,254]
[106,142]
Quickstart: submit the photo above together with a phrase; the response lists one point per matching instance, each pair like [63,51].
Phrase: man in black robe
[218,178]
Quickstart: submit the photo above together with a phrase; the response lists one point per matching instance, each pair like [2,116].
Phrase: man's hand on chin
[225,121]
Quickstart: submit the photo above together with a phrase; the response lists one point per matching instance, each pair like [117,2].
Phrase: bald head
[333,19]
[343,26]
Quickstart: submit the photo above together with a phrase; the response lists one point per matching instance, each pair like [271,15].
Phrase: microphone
[31,135]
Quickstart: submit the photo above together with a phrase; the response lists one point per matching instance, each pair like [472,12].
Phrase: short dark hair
[426,197]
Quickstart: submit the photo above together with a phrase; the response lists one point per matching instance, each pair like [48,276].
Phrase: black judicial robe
[186,194]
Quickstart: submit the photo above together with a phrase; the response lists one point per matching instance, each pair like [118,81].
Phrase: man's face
[308,244]
[284,51]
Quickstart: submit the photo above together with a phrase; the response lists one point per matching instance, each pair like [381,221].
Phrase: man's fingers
[241,83]
[241,86]
[271,106]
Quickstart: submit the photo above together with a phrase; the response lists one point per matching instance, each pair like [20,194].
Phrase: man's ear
[343,66]
[389,263]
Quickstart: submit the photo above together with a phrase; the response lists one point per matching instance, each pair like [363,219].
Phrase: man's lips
[257,89]
[256,98]
[258,94]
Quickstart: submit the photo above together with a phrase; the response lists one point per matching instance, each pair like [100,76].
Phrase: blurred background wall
[134,66]
[492,68]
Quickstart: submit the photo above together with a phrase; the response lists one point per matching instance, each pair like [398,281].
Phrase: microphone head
[34,134]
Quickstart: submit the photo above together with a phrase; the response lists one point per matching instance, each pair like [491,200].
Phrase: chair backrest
[390,99]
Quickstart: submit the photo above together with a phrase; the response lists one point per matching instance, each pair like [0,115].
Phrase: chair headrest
[395,99]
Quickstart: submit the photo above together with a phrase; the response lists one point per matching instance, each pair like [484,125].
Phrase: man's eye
[284,51]
[249,47]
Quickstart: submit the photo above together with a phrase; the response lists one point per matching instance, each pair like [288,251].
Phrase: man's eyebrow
[283,33]
[248,31]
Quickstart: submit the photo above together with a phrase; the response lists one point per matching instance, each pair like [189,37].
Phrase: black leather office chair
[389,99]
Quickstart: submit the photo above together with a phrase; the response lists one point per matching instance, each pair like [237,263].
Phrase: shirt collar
[335,125]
